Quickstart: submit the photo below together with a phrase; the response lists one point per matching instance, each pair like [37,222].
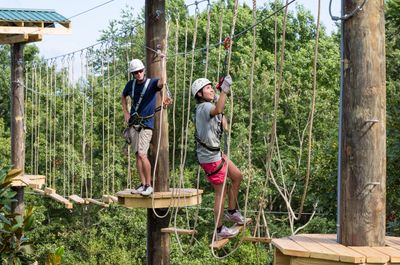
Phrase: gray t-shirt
[209,131]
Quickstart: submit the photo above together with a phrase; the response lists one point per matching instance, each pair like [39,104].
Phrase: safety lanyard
[141,94]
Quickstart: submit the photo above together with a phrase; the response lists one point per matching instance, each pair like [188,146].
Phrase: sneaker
[138,190]
[147,190]
[227,233]
[236,217]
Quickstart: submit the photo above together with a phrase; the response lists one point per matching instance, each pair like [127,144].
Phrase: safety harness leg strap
[220,166]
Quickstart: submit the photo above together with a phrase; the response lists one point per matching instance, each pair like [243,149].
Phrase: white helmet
[135,65]
[199,84]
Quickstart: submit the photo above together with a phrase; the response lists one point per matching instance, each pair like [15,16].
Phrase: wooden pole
[155,29]
[17,120]
[363,145]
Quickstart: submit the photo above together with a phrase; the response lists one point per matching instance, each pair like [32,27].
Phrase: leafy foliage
[13,243]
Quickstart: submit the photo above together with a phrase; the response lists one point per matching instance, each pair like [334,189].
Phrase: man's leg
[140,169]
[145,168]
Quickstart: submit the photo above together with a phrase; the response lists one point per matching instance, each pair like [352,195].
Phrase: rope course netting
[74,120]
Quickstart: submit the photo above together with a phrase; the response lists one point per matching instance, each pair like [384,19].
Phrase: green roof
[31,15]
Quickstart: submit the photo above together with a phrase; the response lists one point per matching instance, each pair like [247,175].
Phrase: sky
[86,28]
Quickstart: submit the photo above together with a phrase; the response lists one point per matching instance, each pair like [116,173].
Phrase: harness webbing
[141,94]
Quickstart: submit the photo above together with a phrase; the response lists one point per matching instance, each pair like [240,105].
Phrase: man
[143,93]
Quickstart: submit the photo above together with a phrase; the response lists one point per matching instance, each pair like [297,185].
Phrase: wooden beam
[59,198]
[257,239]
[179,231]
[34,30]
[75,198]
[109,199]
[49,191]
[39,191]
[93,201]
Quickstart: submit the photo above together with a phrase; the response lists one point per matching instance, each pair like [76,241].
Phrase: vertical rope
[207,36]
[221,20]
[114,120]
[103,123]
[184,94]
[175,89]
[129,175]
[73,124]
[51,121]
[253,56]
[47,124]
[311,118]
[64,134]
[90,194]
[84,95]
[33,115]
[108,120]
[55,124]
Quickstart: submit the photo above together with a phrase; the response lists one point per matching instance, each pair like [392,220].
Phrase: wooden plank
[109,199]
[39,191]
[11,39]
[178,231]
[315,249]
[37,181]
[311,261]
[393,253]
[345,254]
[61,199]
[372,255]
[20,181]
[75,198]
[290,248]
[257,239]
[49,191]
[100,203]
[280,258]
[393,242]
[34,30]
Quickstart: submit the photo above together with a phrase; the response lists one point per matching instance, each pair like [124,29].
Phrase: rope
[207,37]
[311,118]
[235,12]
[73,125]
[253,55]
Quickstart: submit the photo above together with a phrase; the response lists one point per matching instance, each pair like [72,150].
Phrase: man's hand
[226,85]
[127,116]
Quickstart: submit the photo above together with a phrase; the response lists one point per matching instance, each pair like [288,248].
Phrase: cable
[86,11]
[346,16]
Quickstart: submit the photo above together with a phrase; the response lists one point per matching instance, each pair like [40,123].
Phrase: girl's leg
[218,203]
[236,176]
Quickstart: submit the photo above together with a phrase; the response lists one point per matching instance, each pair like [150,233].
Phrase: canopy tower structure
[18,27]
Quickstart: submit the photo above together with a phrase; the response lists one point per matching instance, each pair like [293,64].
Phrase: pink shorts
[217,178]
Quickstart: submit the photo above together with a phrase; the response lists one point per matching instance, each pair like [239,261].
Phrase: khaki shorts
[140,140]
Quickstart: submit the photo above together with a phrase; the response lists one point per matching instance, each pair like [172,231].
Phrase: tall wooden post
[363,145]
[155,29]
[17,120]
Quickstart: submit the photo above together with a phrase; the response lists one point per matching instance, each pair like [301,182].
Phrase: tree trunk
[17,120]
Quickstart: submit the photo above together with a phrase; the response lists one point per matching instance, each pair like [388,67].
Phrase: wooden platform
[33,181]
[173,198]
[324,250]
